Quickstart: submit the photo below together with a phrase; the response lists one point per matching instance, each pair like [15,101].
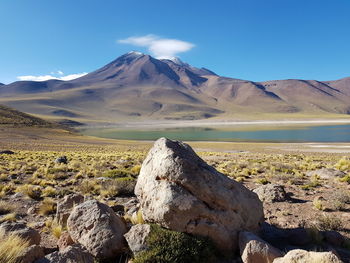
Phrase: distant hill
[9,116]
[136,86]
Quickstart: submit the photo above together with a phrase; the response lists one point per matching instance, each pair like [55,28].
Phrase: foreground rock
[96,226]
[179,191]
[271,193]
[71,254]
[65,206]
[326,173]
[254,249]
[23,231]
[31,254]
[136,237]
[303,256]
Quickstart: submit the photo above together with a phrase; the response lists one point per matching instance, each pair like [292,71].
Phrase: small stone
[62,159]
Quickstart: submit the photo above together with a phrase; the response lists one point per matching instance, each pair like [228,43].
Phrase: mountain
[9,116]
[136,86]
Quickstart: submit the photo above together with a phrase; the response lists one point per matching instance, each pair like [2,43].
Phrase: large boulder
[303,256]
[271,193]
[326,173]
[96,226]
[254,249]
[23,231]
[137,237]
[71,254]
[65,206]
[181,192]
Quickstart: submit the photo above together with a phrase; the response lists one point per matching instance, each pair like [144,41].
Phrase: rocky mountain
[137,86]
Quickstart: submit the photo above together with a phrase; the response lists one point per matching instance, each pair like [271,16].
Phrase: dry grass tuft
[11,247]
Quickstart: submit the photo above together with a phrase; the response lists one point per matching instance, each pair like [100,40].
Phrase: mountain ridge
[138,86]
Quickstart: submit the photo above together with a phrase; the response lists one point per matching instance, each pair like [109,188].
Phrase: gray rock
[96,226]
[31,254]
[303,256]
[62,159]
[326,173]
[271,193]
[7,152]
[23,231]
[254,249]
[65,206]
[181,192]
[71,254]
[136,237]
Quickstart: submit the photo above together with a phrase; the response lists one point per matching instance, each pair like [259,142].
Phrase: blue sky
[249,39]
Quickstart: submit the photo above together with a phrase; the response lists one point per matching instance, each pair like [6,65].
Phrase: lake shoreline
[214,123]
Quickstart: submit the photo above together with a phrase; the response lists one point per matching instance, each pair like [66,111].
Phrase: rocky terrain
[170,205]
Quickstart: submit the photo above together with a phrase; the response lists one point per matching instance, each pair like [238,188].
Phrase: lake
[325,133]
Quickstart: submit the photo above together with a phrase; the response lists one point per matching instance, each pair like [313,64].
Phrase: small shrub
[138,219]
[314,182]
[11,246]
[175,247]
[53,227]
[49,191]
[318,204]
[6,207]
[345,179]
[47,207]
[120,173]
[262,181]
[8,218]
[339,200]
[88,187]
[31,191]
[328,222]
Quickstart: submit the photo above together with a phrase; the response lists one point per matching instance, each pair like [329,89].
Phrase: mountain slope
[136,86]
[9,116]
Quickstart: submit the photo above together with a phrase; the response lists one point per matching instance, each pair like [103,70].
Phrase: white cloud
[159,47]
[47,77]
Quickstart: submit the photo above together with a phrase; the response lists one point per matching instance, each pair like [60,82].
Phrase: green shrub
[121,173]
[167,246]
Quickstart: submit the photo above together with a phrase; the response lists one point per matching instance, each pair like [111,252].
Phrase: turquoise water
[326,133]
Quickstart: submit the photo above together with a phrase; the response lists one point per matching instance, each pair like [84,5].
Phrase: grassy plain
[107,170]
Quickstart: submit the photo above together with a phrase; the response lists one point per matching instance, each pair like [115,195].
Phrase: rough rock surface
[136,237]
[64,241]
[65,206]
[326,173]
[303,256]
[22,230]
[181,192]
[96,226]
[31,254]
[71,254]
[271,193]
[254,249]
